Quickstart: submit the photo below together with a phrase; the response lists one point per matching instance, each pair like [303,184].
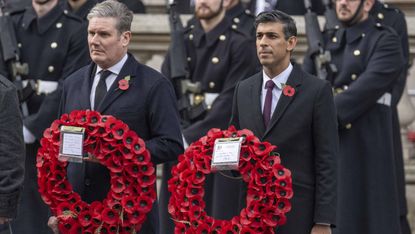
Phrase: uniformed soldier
[79,8]
[218,56]
[53,44]
[241,18]
[369,59]
[395,18]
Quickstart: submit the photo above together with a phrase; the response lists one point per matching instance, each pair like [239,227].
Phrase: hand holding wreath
[132,174]
[269,187]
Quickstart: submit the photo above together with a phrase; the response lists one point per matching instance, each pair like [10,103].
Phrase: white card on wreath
[226,154]
[71,144]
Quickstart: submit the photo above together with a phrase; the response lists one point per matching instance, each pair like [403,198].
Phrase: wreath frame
[268,194]
[132,173]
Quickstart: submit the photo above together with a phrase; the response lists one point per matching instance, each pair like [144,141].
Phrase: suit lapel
[294,80]
[86,87]
[255,93]
[114,92]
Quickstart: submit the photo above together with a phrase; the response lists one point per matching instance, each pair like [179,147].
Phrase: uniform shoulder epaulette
[387,8]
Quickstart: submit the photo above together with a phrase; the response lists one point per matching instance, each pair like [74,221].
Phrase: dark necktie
[101,88]
[269,85]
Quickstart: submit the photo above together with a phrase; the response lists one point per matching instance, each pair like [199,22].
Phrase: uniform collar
[43,23]
[212,36]
[358,30]
[376,7]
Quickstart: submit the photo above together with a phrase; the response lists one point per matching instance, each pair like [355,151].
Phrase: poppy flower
[65,225]
[85,218]
[109,216]
[129,203]
[124,84]
[119,129]
[143,158]
[146,180]
[144,204]
[117,185]
[93,118]
[288,91]
[263,148]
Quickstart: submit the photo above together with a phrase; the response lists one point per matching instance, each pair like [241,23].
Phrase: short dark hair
[276,16]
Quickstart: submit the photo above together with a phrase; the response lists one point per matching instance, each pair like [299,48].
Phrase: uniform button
[337,27]
[234,26]
[378,25]
[59,25]
[215,60]
[211,85]
[222,37]
[334,39]
[381,16]
[189,59]
[51,69]
[363,35]
[192,26]
[348,126]
[386,5]
[354,76]
[345,87]
[190,36]
[236,20]
[65,12]
[247,11]
[356,52]
[87,182]
[209,107]
[19,45]
[53,45]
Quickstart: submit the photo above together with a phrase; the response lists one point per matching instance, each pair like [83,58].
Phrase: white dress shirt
[110,79]
[279,81]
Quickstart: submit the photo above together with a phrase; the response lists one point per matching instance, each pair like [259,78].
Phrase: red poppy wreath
[268,193]
[132,174]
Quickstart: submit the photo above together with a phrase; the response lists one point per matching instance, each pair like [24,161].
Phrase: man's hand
[53,224]
[321,229]
[4,220]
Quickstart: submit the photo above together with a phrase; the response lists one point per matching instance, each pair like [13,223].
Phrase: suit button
[354,76]
[87,182]
[211,85]
[348,126]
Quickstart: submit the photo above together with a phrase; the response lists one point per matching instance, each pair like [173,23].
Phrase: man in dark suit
[147,106]
[368,57]
[301,122]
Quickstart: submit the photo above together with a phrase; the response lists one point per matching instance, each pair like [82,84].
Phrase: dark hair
[276,16]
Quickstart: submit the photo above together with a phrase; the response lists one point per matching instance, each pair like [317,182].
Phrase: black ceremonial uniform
[54,46]
[396,19]
[218,60]
[369,60]
[83,11]
[242,19]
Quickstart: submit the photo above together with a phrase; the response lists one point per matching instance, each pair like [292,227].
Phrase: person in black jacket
[12,153]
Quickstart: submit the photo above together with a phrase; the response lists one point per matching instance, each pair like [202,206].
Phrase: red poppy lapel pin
[124,84]
[287,90]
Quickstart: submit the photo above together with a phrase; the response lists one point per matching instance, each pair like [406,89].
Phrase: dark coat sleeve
[166,139]
[235,116]
[326,149]
[12,151]
[381,73]
[77,57]
[243,64]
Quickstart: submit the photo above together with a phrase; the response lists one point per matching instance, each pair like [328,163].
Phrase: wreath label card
[226,154]
[71,144]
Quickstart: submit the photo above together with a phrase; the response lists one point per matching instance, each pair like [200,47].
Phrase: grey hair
[113,9]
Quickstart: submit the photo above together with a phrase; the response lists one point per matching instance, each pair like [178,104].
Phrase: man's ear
[125,38]
[291,43]
[368,4]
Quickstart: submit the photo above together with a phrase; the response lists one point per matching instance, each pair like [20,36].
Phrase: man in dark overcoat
[395,18]
[368,57]
[148,105]
[53,44]
[218,56]
[12,153]
[303,125]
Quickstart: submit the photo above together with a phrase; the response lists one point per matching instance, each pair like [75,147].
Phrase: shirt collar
[280,79]
[116,68]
